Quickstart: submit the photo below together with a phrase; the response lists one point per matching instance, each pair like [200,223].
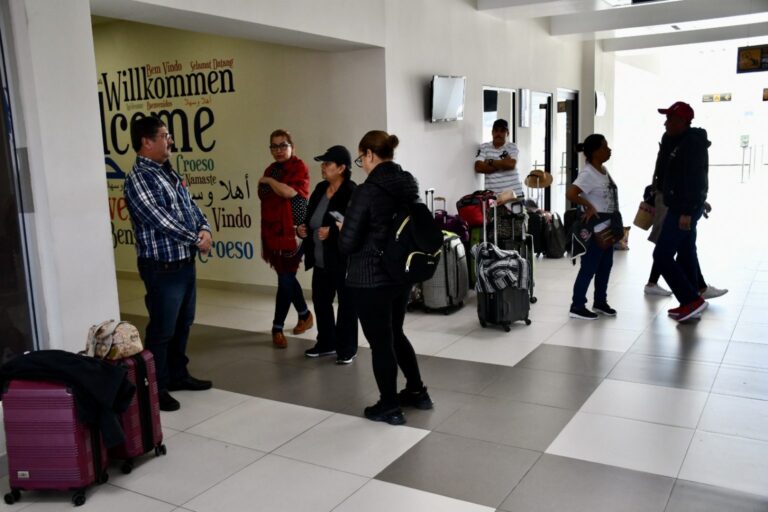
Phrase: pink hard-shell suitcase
[141,421]
[48,447]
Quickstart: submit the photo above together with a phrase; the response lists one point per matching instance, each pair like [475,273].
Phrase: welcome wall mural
[196,96]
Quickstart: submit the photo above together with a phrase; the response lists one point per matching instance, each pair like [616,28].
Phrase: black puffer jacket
[682,170]
[368,221]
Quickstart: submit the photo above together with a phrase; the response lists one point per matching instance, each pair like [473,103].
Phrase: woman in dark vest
[321,251]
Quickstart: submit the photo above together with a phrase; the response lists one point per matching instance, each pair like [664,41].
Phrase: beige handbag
[113,340]
[644,216]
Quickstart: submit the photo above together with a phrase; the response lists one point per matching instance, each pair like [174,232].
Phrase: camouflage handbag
[113,340]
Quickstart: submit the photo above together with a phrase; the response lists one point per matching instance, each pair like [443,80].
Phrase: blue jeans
[680,273]
[288,291]
[170,301]
[597,263]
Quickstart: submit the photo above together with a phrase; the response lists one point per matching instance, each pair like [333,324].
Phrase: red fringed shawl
[278,232]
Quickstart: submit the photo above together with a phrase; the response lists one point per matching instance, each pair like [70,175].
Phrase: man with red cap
[683,165]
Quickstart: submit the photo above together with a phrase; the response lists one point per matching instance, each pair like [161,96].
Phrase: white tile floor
[683,401]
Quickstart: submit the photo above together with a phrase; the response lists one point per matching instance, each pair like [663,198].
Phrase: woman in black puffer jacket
[380,300]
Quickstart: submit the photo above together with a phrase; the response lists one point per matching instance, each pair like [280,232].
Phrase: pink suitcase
[141,421]
[48,447]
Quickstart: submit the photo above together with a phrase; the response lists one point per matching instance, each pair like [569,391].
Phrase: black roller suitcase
[506,306]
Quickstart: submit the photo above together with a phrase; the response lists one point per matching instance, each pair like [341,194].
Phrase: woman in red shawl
[283,191]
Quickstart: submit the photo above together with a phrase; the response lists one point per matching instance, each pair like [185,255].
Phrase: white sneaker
[655,289]
[712,292]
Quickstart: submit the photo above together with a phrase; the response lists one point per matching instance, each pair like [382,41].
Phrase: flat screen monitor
[448,98]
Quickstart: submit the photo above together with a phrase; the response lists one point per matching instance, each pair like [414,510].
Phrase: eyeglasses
[282,146]
[165,136]
[359,161]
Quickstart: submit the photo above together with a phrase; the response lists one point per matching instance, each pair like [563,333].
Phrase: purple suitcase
[141,421]
[48,447]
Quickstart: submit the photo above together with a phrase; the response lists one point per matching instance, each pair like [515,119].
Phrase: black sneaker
[604,309]
[378,412]
[316,352]
[167,402]
[418,399]
[582,313]
[345,359]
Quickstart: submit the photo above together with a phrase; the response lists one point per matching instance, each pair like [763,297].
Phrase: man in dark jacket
[684,164]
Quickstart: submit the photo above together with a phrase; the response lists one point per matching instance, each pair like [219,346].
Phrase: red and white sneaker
[693,309]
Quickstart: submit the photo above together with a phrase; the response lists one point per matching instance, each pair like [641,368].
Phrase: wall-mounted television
[448,98]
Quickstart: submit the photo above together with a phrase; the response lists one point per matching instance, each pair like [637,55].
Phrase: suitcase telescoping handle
[487,204]
[440,199]
[429,199]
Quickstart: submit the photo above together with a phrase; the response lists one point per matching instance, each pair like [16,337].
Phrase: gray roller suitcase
[447,289]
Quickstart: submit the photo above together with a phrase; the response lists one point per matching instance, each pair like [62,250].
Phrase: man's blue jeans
[597,263]
[682,272]
[170,301]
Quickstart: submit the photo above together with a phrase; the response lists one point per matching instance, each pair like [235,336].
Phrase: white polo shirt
[500,181]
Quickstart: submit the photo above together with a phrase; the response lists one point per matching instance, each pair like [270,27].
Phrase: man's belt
[167,265]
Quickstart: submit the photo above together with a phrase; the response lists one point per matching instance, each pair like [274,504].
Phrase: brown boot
[278,339]
[304,325]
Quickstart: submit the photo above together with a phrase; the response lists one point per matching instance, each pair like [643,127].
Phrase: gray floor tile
[518,424]
[461,468]
[694,497]
[662,371]
[749,383]
[457,375]
[559,483]
[578,361]
[545,388]
[753,355]
[686,345]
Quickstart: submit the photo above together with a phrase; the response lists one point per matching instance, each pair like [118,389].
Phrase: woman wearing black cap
[334,336]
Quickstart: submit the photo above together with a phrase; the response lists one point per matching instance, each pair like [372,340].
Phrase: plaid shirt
[165,219]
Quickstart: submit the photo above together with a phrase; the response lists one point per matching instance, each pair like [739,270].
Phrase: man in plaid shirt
[170,230]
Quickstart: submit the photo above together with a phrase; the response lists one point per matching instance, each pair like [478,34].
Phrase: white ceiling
[647,25]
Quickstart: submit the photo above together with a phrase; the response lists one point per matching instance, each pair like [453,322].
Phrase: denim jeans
[597,263]
[170,301]
[288,292]
[382,313]
[337,333]
[681,273]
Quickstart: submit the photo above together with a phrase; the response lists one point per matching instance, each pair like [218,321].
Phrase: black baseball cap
[336,154]
[501,123]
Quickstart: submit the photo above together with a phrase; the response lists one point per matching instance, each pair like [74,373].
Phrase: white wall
[450,37]
[70,223]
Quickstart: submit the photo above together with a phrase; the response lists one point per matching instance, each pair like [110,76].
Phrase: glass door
[16,325]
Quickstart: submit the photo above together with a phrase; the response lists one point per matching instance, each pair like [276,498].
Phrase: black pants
[288,292]
[701,284]
[382,313]
[339,333]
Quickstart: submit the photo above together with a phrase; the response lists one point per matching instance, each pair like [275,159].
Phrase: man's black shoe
[190,384]
[167,402]
[418,399]
[378,412]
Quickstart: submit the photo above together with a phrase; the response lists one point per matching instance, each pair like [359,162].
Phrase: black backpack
[554,237]
[413,246]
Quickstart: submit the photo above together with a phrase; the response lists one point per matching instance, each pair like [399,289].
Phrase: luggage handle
[429,199]
[440,199]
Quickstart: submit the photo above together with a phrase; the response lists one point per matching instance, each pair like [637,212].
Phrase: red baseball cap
[679,109]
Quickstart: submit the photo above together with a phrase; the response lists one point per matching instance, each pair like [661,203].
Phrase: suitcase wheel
[534,300]
[527,321]
[78,499]
[160,450]
[507,328]
[102,478]
[126,467]
[12,497]
[483,324]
